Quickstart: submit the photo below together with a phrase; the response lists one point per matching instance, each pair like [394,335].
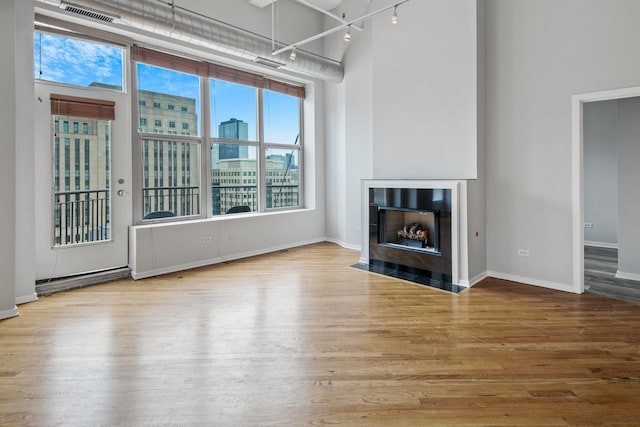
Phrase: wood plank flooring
[298,338]
[600,267]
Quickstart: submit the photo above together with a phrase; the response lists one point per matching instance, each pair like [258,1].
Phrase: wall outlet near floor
[206,240]
[588,225]
[523,252]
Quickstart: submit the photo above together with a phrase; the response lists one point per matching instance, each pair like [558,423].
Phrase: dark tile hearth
[396,271]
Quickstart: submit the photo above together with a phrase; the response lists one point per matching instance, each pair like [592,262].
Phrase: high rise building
[237,130]
[234,129]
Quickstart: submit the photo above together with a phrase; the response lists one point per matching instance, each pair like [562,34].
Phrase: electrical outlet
[588,225]
[523,252]
[206,240]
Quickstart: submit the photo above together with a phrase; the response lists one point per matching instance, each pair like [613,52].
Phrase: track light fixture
[344,24]
[347,34]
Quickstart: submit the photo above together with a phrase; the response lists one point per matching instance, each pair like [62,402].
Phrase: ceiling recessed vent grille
[89,13]
[268,62]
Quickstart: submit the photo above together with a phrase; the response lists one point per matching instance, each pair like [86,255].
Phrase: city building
[81,180]
[233,129]
[235,184]
[171,169]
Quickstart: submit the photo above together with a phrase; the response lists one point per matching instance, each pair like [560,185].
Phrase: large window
[254,132]
[171,165]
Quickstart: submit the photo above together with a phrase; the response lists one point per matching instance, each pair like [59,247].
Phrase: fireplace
[412,231]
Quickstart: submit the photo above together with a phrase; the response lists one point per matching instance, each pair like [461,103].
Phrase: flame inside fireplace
[413,234]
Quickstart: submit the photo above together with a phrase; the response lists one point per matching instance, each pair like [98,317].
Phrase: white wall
[424,99]
[25,153]
[540,53]
[349,117]
[629,189]
[477,189]
[600,173]
[14,245]
[172,247]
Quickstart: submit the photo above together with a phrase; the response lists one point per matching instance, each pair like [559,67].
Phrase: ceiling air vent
[88,12]
[268,62]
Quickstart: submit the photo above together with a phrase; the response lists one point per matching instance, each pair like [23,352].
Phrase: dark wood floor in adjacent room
[600,267]
[299,338]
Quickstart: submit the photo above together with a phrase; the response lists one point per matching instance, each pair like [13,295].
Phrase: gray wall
[629,187]
[8,114]
[477,189]
[600,173]
[539,54]
[17,281]
[425,91]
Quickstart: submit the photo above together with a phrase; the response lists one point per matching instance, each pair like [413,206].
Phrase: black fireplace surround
[427,262]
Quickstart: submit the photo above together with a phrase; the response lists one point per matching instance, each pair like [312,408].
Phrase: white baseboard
[601,244]
[530,281]
[201,263]
[627,276]
[5,314]
[26,298]
[478,278]
[343,244]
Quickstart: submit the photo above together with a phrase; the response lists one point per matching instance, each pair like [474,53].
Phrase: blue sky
[81,63]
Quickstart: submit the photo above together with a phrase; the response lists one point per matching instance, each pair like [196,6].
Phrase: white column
[25,154]
[8,124]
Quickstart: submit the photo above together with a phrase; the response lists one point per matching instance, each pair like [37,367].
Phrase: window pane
[233,111]
[158,89]
[281,118]
[171,178]
[81,183]
[77,62]
[283,178]
[234,180]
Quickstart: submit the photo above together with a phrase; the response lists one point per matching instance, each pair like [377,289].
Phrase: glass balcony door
[83,184]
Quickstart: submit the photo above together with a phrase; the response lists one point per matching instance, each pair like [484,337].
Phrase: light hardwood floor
[298,338]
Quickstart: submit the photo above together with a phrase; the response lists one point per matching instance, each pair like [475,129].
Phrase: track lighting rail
[345,25]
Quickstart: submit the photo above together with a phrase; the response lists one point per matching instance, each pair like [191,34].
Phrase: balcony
[81,217]
[85,216]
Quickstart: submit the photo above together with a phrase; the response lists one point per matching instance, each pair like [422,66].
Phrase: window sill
[228,217]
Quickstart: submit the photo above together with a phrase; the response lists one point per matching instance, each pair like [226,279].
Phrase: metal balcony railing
[181,201]
[226,197]
[81,216]
[84,216]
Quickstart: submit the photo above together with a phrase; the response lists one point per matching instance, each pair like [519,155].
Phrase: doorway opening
[599,130]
